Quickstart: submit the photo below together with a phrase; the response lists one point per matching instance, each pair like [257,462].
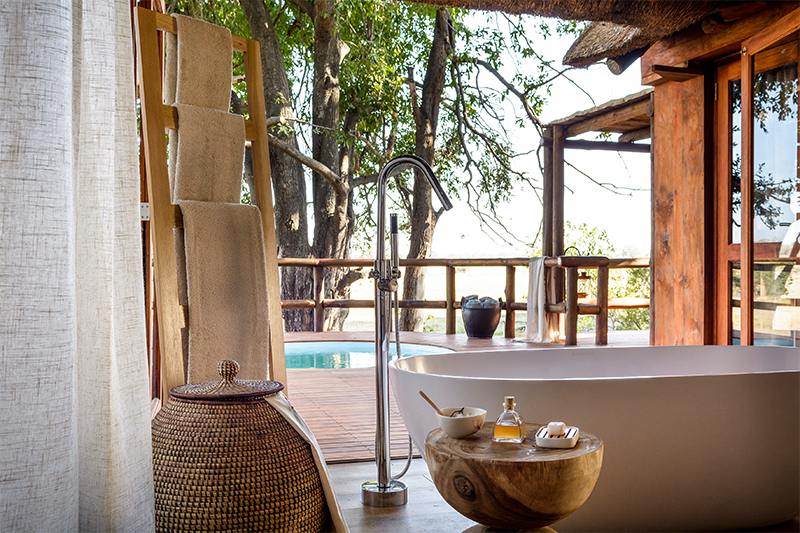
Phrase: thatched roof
[620,25]
[601,40]
[640,13]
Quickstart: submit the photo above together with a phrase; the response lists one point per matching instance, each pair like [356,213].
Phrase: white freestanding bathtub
[697,438]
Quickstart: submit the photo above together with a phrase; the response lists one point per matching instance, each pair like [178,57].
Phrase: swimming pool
[352,354]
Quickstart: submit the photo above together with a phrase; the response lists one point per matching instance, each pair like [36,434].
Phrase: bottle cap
[508,402]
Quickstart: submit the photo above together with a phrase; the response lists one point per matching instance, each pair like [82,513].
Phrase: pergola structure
[632,118]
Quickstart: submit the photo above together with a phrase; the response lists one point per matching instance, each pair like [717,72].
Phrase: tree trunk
[288,181]
[334,320]
[331,236]
[423,216]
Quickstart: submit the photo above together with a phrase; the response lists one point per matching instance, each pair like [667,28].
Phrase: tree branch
[330,176]
[522,97]
[305,7]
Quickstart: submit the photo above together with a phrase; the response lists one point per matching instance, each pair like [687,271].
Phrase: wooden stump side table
[512,486]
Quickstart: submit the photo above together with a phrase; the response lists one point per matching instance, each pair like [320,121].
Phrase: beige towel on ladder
[536,327]
[198,68]
[227,289]
[209,156]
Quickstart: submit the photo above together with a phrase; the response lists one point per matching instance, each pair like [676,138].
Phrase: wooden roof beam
[666,73]
[692,44]
[636,135]
[581,144]
[606,121]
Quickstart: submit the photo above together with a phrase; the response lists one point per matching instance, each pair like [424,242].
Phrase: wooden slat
[747,200]
[622,262]
[611,146]
[450,298]
[162,213]
[171,122]
[300,304]
[510,292]
[582,308]
[568,261]
[263,193]
[318,276]
[601,323]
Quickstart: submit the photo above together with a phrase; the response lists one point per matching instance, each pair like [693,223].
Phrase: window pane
[776,296]
[775,153]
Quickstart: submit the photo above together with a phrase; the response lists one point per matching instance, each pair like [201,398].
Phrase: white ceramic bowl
[462,426]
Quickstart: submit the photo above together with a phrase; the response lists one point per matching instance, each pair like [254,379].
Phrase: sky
[626,219]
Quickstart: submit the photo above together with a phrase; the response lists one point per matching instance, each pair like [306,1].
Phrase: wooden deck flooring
[339,404]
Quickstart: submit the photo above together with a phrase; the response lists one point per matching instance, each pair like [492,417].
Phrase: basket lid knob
[227,370]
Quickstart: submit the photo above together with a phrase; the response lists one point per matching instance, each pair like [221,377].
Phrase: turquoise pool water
[345,354]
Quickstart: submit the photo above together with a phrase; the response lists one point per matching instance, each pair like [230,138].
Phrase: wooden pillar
[319,295]
[558,191]
[553,319]
[558,219]
[571,318]
[511,274]
[450,297]
[547,199]
[601,321]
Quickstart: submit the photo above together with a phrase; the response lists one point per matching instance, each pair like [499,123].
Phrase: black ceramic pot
[480,323]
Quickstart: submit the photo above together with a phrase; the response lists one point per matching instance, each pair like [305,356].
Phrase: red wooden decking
[339,405]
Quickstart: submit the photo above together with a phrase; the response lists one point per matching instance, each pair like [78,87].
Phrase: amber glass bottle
[509,426]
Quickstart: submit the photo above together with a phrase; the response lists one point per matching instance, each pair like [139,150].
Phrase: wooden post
[558,214]
[511,273]
[553,319]
[450,300]
[319,295]
[601,321]
[547,198]
[571,319]
[558,191]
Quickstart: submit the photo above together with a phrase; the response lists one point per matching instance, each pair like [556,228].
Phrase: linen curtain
[75,450]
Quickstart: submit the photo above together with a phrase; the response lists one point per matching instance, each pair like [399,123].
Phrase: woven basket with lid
[226,460]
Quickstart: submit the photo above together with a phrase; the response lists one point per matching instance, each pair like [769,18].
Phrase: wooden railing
[567,303]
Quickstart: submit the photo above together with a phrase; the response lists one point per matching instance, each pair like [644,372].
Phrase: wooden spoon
[431,402]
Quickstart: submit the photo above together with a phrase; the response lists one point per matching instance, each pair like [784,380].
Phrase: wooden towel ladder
[164,216]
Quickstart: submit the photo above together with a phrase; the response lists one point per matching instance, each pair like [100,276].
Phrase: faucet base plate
[395,495]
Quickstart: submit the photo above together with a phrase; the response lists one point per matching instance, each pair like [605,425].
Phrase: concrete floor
[425,512]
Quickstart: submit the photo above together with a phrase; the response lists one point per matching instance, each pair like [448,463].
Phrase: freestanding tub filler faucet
[388,492]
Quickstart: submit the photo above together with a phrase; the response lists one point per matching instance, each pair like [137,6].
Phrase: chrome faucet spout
[393,167]
[388,492]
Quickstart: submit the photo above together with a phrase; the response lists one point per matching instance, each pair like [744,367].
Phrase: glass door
[757,203]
